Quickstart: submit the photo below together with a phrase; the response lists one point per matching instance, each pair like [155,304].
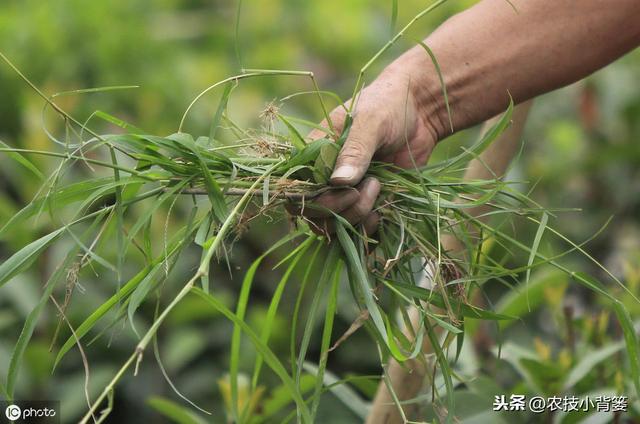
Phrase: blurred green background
[581,150]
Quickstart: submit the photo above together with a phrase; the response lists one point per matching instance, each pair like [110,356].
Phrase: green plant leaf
[222,106]
[86,191]
[3,391]
[436,299]
[140,293]
[101,311]
[631,342]
[522,300]
[23,258]
[173,411]
[175,244]
[326,160]
[267,328]
[325,343]
[149,212]
[345,394]
[434,60]
[445,370]
[588,362]
[305,156]
[280,398]
[330,263]
[118,122]
[216,197]
[295,137]
[534,250]
[241,308]
[269,357]
[30,323]
[296,310]
[26,163]
[394,16]
[478,147]
[358,271]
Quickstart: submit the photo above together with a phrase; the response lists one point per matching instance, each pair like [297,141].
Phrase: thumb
[355,155]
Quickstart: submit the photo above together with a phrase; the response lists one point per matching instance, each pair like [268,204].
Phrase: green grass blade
[296,251]
[139,295]
[3,392]
[216,197]
[589,362]
[325,344]
[222,106]
[534,250]
[518,302]
[445,369]
[357,270]
[342,391]
[100,312]
[236,39]
[118,122]
[120,237]
[24,257]
[296,139]
[180,239]
[329,264]
[26,163]
[296,310]
[592,259]
[32,319]
[269,357]
[243,299]
[87,191]
[234,366]
[306,155]
[173,411]
[434,298]
[265,334]
[432,56]
[150,211]
[478,147]
[631,341]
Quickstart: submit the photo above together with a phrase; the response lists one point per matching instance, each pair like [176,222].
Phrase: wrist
[417,72]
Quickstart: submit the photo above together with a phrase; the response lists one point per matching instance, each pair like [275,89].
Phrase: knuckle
[354,148]
[360,210]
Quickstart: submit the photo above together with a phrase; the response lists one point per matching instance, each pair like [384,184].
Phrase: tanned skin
[495,49]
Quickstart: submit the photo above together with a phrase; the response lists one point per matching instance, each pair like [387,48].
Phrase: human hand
[391,123]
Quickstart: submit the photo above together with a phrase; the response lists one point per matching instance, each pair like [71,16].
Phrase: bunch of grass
[266,169]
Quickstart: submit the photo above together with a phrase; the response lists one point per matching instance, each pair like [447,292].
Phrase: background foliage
[581,150]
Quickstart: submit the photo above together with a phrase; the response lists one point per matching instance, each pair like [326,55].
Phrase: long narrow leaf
[26,163]
[32,319]
[23,258]
[326,337]
[534,249]
[357,270]
[269,357]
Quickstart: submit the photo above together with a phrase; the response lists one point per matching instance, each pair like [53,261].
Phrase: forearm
[492,50]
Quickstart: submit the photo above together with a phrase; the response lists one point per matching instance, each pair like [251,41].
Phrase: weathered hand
[389,124]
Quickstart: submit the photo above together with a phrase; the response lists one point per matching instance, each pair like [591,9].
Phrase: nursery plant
[229,178]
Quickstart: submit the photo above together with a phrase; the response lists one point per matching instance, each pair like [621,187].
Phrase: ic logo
[13,412]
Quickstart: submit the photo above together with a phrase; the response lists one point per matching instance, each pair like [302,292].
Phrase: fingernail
[372,185]
[344,172]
